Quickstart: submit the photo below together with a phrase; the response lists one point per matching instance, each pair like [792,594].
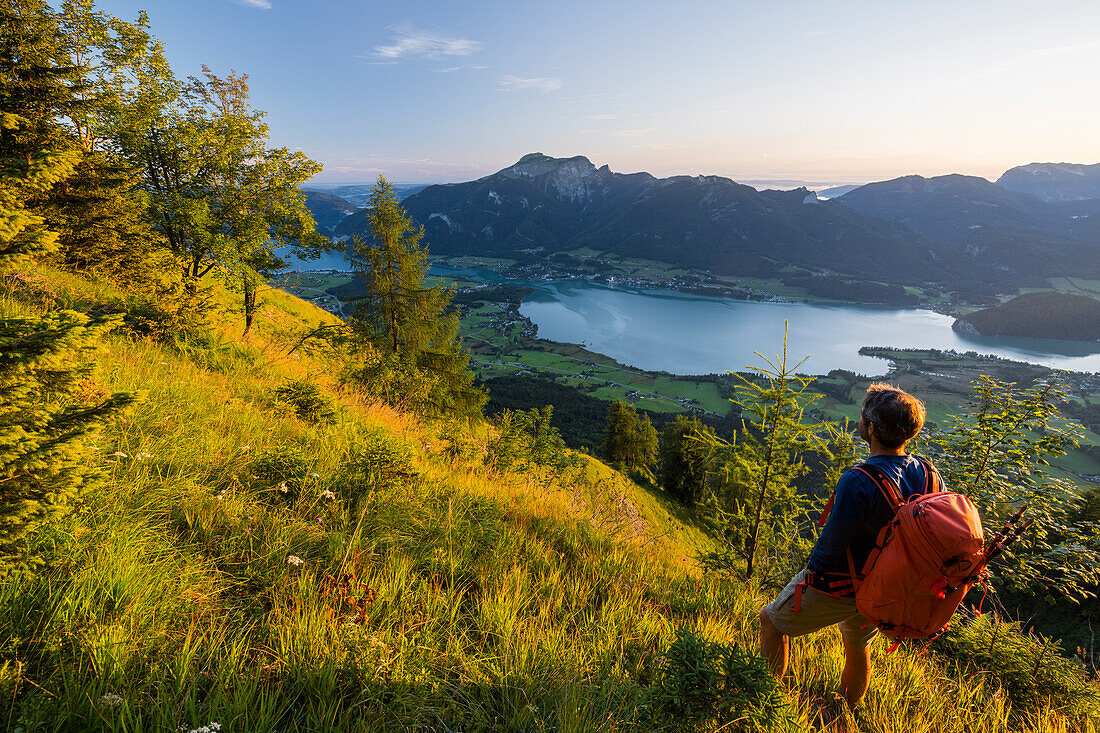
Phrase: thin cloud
[637,132]
[409,42]
[591,97]
[257,4]
[450,69]
[542,84]
[603,117]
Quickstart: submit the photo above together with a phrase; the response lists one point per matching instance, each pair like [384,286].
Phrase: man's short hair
[897,415]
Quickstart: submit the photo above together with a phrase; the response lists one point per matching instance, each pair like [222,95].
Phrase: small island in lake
[1047,315]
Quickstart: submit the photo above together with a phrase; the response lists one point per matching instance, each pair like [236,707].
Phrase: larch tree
[751,493]
[412,325]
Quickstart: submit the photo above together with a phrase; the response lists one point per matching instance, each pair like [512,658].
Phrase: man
[821,595]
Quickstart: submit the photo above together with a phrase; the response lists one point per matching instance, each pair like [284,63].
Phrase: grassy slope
[433,594]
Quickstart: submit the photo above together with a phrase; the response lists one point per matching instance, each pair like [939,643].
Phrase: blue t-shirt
[859,513]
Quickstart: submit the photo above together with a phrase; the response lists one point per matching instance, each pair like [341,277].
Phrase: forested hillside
[1014,232]
[1039,315]
[223,509]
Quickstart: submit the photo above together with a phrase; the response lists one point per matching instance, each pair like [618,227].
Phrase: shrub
[377,462]
[307,401]
[457,442]
[163,309]
[700,682]
[281,471]
[527,439]
[998,453]
[1031,669]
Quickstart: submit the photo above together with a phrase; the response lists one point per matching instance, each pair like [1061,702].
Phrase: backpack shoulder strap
[884,483]
[932,481]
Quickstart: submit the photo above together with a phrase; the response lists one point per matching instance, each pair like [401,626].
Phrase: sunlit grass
[238,565]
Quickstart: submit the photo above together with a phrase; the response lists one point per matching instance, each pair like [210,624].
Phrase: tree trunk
[249,304]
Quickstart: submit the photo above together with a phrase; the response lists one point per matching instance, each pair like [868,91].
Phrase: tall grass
[246,567]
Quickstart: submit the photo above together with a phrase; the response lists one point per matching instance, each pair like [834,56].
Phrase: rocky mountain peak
[568,178]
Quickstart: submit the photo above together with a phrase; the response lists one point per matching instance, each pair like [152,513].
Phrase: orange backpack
[924,561]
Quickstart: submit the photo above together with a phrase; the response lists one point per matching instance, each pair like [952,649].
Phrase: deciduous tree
[684,458]
[630,439]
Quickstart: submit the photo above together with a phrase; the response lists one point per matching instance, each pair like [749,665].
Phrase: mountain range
[961,232]
[543,205]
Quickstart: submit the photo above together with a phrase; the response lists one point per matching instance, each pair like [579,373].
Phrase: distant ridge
[328,209]
[1013,232]
[1054,182]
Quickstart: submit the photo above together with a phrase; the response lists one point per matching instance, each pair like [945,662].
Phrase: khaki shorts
[818,610]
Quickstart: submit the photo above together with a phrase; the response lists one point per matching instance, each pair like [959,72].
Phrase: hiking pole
[1009,539]
[1007,525]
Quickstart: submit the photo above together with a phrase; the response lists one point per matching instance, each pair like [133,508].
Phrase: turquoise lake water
[661,330]
[683,334]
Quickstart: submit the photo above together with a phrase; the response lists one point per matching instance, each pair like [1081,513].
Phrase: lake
[683,334]
[662,330]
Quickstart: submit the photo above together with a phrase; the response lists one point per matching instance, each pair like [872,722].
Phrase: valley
[504,344]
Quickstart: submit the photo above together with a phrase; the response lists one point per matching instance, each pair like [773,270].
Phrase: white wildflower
[315,475]
[328,494]
[245,447]
[532,709]
[143,456]
[210,727]
[110,700]
[119,454]
[294,561]
[283,489]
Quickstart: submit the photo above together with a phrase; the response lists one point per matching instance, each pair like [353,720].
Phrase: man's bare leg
[856,674]
[773,645]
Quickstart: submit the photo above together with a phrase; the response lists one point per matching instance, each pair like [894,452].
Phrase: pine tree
[35,152]
[412,325]
[101,227]
[45,458]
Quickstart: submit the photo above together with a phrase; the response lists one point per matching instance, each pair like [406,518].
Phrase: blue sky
[848,91]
